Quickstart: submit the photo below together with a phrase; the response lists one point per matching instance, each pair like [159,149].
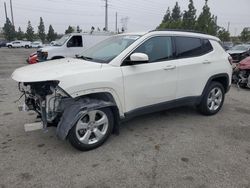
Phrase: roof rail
[179,30]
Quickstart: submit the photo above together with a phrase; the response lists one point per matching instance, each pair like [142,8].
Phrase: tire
[26,46]
[9,46]
[213,99]
[88,127]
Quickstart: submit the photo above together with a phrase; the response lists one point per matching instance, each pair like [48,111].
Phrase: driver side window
[157,48]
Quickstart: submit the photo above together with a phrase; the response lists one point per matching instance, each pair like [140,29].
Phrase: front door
[153,82]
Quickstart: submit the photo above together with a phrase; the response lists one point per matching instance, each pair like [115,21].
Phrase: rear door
[153,82]
[195,63]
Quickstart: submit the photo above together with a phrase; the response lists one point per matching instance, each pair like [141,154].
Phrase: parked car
[32,59]
[70,45]
[122,77]
[19,44]
[36,44]
[3,43]
[239,52]
[227,45]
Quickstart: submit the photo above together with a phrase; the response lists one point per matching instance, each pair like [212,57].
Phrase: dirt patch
[26,176]
[40,145]
[184,159]
[7,113]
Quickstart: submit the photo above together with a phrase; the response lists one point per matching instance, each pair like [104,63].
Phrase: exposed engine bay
[45,99]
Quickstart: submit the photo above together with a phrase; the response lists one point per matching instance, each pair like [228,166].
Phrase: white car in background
[19,44]
[36,44]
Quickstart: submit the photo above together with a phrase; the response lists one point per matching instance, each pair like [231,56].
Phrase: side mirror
[139,58]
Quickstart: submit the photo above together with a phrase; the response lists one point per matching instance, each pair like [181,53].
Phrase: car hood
[48,48]
[53,70]
[236,51]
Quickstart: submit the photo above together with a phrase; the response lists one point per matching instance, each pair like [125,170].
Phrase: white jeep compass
[125,76]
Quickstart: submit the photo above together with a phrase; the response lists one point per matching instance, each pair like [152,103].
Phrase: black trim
[221,75]
[162,106]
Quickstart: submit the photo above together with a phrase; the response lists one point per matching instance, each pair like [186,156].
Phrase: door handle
[206,62]
[169,67]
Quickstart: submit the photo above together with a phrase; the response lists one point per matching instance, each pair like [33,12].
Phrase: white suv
[125,76]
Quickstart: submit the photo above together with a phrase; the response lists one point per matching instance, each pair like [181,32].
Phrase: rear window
[191,47]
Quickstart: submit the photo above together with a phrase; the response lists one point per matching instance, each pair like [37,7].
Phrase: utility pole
[12,18]
[228,26]
[106,15]
[116,22]
[6,16]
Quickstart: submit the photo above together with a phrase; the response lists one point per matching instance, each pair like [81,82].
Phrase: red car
[32,59]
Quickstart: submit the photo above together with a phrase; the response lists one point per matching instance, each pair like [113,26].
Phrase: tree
[166,19]
[20,34]
[189,17]
[9,30]
[167,16]
[176,13]
[70,30]
[30,32]
[206,23]
[78,29]
[51,36]
[223,34]
[245,35]
[41,30]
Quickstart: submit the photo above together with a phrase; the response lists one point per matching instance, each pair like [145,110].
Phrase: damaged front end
[45,98]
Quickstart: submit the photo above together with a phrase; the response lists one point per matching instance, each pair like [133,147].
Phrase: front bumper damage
[55,107]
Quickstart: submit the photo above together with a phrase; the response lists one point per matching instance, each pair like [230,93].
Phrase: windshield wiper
[85,57]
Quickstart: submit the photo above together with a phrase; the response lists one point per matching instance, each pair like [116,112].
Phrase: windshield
[62,40]
[239,47]
[107,50]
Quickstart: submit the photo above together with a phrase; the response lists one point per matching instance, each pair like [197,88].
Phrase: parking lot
[175,148]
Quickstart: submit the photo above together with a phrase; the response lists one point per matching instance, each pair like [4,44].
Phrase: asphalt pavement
[174,148]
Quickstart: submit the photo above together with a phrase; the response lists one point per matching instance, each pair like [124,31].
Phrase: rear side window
[192,47]
[207,47]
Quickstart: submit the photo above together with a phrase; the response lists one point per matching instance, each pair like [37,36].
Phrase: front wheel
[213,99]
[92,129]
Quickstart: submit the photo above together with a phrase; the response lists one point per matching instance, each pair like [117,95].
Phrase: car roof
[175,33]
[186,33]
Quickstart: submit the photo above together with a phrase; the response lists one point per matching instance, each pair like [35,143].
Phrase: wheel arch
[222,78]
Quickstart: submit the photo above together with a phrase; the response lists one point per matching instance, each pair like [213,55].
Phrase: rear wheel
[92,129]
[213,99]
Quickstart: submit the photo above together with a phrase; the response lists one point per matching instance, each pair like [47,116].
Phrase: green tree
[166,19]
[206,22]
[176,18]
[176,13]
[189,17]
[30,32]
[69,30]
[9,30]
[20,34]
[41,30]
[51,36]
[245,35]
[223,34]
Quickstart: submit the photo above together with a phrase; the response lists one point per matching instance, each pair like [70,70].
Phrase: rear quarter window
[192,47]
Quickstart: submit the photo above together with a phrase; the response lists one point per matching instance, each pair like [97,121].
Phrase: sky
[142,15]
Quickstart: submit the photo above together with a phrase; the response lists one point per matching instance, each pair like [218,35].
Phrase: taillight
[230,59]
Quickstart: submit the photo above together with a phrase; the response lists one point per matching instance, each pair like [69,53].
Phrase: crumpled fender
[76,109]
